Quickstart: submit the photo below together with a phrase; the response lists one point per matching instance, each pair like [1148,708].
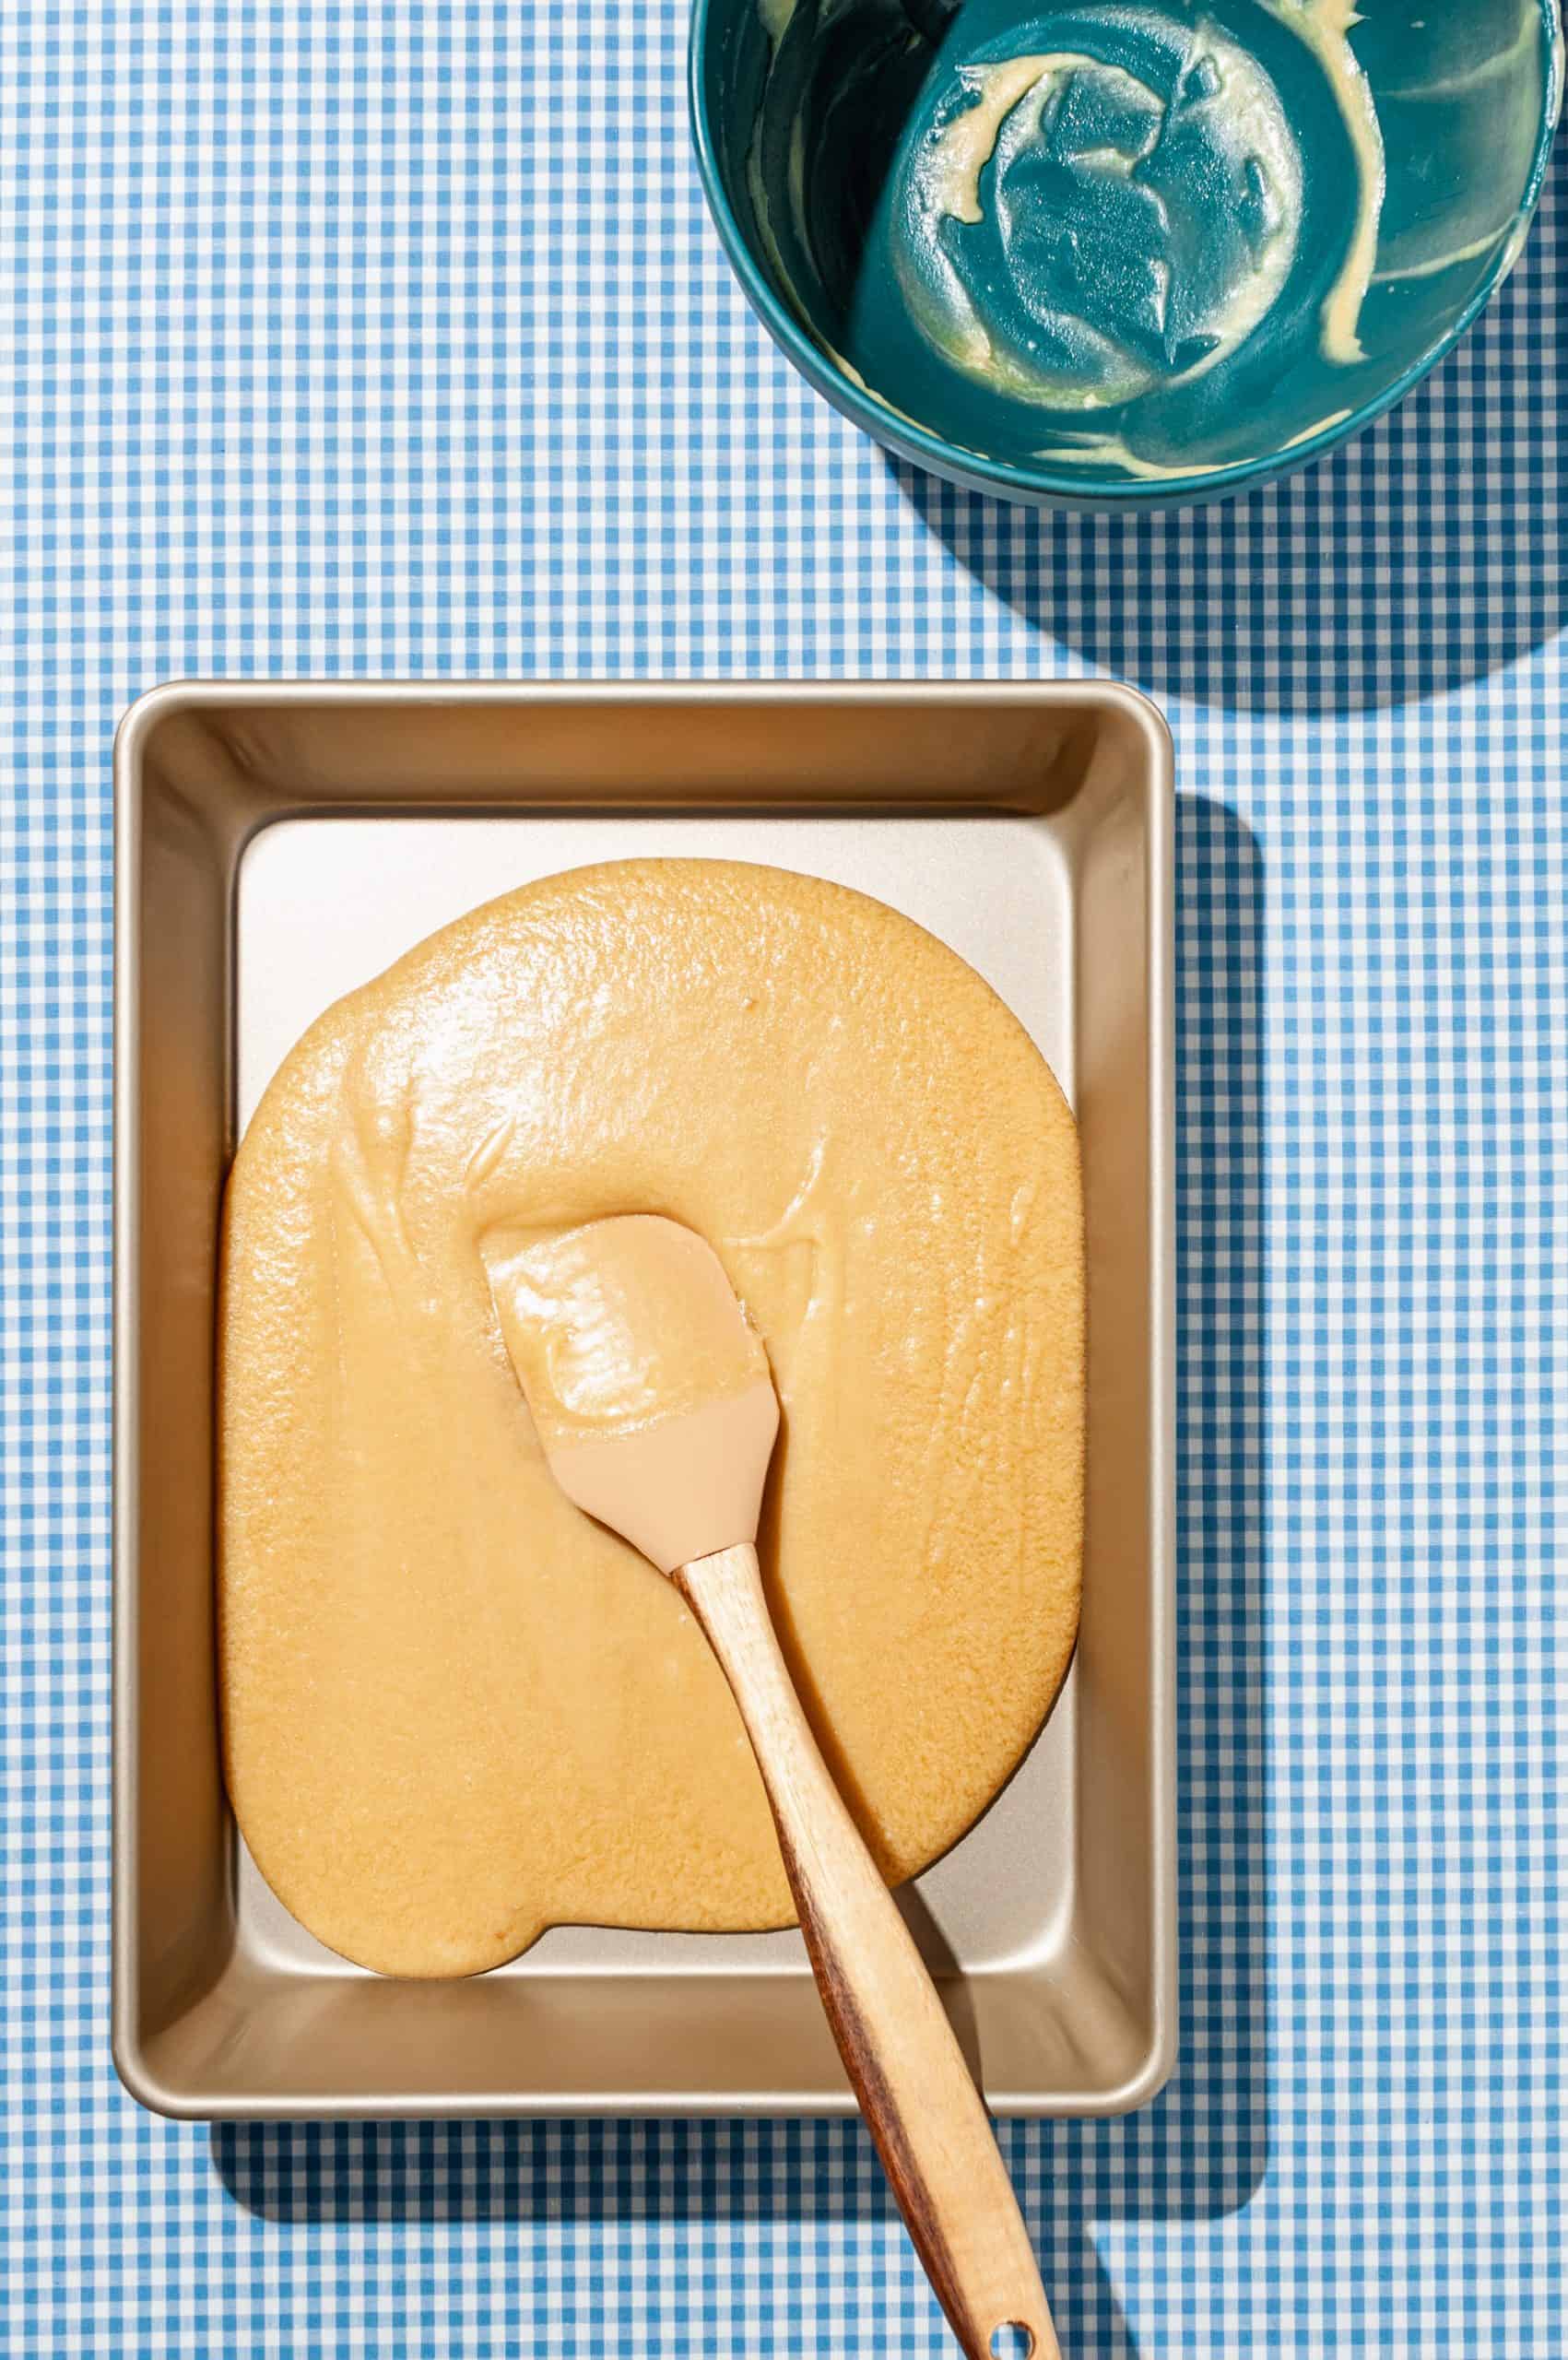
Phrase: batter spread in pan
[456,1711]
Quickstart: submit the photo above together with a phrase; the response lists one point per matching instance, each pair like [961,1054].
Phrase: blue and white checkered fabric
[341,340]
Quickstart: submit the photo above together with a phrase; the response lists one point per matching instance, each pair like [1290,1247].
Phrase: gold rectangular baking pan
[277,844]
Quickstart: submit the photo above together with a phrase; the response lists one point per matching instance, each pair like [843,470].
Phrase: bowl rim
[951,460]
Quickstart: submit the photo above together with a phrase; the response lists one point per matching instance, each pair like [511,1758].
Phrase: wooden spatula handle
[922,2108]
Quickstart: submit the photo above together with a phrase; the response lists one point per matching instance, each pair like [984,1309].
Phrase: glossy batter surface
[456,1711]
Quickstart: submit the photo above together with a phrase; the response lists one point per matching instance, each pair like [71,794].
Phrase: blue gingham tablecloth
[345,340]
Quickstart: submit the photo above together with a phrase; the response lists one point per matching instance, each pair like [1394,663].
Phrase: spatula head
[647,1385]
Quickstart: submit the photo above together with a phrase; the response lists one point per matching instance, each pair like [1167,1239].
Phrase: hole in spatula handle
[1012,2340]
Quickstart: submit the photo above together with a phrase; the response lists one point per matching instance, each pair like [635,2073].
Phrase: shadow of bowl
[1428,558]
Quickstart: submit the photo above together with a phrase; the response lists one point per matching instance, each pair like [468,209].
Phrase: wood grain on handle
[906,2065]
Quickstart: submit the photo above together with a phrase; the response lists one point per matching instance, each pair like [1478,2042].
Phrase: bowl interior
[1104,249]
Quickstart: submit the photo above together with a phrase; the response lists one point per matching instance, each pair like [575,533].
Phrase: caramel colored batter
[455,1710]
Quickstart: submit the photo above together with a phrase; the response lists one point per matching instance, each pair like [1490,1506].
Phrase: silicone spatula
[653,1402]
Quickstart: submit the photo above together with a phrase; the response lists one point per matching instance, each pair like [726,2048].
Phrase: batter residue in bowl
[1127,235]
[1087,204]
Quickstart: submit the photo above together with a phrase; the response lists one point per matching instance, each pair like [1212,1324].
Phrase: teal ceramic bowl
[1096,254]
